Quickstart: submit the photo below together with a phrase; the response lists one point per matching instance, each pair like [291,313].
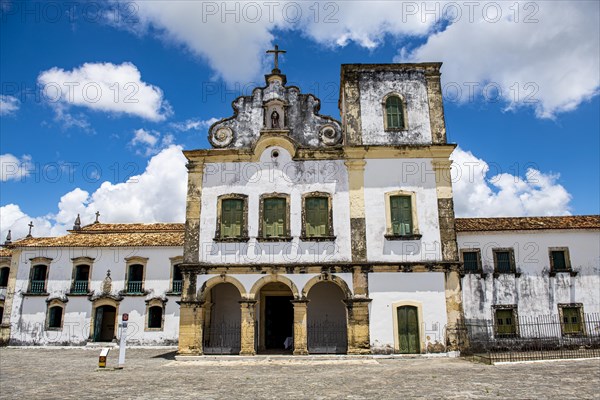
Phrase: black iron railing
[222,338]
[535,338]
[327,337]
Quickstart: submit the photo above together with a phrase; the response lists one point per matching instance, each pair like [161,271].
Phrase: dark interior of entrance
[104,324]
[279,321]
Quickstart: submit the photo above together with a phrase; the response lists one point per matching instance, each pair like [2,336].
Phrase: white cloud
[103,87]
[150,142]
[8,104]
[156,195]
[545,51]
[233,36]
[478,195]
[547,58]
[193,124]
[14,168]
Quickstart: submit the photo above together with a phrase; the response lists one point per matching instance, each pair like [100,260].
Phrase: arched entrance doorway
[105,319]
[222,320]
[327,319]
[276,321]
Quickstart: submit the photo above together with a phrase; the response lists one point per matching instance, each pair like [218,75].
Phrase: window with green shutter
[274,218]
[470,260]
[401,213]
[394,113]
[571,320]
[232,218]
[559,261]
[505,322]
[316,216]
[503,262]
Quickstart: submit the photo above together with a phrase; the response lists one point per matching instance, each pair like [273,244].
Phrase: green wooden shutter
[401,212]
[470,261]
[394,113]
[317,216]
[232,217]
[503,260]
[558,260]
[274,217]
[571,320]
[505,323]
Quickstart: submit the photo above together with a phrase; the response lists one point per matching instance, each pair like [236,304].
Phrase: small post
[102,358]
[123,340]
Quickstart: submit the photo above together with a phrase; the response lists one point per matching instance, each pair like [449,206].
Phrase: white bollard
[122,341]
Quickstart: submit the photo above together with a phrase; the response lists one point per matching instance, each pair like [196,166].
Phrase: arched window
[55,317]
[177,279]
[38,279]
[394,117]
[155,317]
[4,271]
[82,276]
[135,279]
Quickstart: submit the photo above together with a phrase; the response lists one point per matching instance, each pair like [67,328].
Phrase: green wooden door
[98,324]
[408,330]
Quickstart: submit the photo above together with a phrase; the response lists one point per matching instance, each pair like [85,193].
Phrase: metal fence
[534,338]
[327,337]
[222,338]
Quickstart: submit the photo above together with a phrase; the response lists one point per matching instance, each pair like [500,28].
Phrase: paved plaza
[70,373]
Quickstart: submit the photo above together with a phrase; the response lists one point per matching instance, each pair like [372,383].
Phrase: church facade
[308,235]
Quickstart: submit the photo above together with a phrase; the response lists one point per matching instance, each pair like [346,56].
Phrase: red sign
[125,317]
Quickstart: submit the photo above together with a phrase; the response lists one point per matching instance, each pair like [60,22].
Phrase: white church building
[306,235]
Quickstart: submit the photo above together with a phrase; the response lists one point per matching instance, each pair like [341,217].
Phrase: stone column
[247,328]
[300,328]
[436,105]
[359,341]
[360,282]
[358,229]
[350,107]
[191,321]
[454,309]
[191,244]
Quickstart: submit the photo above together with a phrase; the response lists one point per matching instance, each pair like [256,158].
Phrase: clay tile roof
[113,228]
[527,223]
[5,252]
[113,235]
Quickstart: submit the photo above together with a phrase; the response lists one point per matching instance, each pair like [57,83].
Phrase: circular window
[275,153]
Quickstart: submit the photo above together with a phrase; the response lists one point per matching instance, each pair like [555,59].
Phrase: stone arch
[266,141]
[252,295]
[209,284]
[326,277]
[98,303]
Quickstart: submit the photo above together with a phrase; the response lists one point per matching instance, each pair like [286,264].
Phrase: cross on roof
[276,52]
[30,226]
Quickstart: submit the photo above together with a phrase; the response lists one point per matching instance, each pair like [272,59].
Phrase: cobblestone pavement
[27,373]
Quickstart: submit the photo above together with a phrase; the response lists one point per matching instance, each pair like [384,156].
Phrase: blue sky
[187,61]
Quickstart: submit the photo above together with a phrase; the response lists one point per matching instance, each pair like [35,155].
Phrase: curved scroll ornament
[330,136]
[222,137]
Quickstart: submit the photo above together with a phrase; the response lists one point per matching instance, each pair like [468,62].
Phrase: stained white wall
[535,292]
[414,175]
[385,289]
[281,175]
[28,314]
[374,86]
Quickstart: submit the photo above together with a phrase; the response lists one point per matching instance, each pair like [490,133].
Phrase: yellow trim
[204,292]
[302,154]
[419,306]
[325,277]
[100,303]
[272,278]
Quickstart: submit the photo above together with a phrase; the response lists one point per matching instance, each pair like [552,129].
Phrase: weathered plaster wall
[535,292]
[28,314]
[280,175]
[374,86]
[414,175]
[386,289]
[325,304]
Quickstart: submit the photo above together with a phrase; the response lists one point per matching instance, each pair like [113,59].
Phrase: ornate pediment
[276,108]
